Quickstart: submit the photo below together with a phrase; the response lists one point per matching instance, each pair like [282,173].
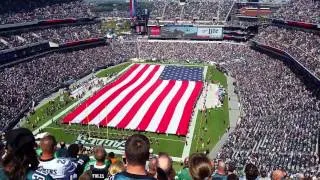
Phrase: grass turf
[112,70]
[47,111]
[217,119]
[217,123]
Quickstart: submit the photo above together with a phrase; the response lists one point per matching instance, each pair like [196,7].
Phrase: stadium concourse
[276,137]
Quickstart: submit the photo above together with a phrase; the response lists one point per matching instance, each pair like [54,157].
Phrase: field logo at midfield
[115,144]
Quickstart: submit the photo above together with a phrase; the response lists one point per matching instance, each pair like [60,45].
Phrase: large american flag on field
[155,98]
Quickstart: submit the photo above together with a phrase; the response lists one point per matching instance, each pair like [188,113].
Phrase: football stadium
[159,89]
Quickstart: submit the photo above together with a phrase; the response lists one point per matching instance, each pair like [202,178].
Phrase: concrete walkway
[234,115]
[189,137]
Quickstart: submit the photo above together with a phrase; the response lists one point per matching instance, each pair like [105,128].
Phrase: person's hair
[100,154]
[73,150]
[116,168]
[200,166]
[232,177]
[48,144]
[161,175]
[85,176]
[137,149]
[111,155]
[20,161]
[251,171]
[167,166]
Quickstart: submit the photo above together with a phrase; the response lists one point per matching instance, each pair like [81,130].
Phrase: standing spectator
[184,174]
[251,172]
[137,153]
[20,160]
[79,161]
[152,167]
[221,173]
[58,168]
[200,167]
[62,151]
[116,168]
[165,163]
[99,169]
[112,158]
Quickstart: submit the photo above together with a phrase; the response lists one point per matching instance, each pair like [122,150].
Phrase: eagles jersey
[127,176]
[57,168]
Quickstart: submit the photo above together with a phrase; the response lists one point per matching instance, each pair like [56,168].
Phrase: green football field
[210,127]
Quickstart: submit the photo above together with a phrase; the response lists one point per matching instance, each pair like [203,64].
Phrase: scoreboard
[186,32]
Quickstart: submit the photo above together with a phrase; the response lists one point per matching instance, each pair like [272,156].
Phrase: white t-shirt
[58,168]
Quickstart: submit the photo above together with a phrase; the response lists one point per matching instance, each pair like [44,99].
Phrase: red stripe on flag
[93,98]
[187,112]
[101,106]
[126,120]
[129,96]
[154,106]
[164,123]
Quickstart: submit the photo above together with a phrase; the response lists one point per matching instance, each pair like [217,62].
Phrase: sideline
[87,95]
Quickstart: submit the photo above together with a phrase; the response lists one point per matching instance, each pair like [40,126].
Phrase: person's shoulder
[126,176]
[38,175]
[3,174]
[217,176]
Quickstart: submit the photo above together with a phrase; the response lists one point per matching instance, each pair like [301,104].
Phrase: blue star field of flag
[180,73]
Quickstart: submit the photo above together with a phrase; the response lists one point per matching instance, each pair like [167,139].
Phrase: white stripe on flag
[134,123]
[156,119]
[125,109]
[97,102]
[109,107]
[177,115]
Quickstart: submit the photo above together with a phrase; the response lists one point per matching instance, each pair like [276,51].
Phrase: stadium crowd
[58,161]
[57,35]
[20,11]
[303,46]
[202,10]
[299,10]
[29,80]
[279,127]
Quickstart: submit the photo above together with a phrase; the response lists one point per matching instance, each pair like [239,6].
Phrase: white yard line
[187,147]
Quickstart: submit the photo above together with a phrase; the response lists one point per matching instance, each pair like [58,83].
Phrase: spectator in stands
[184,174]
[251,172]
[58,168]
[165,163]
[278,175]
[231,169]
[232,177]
[116,168]
[137,153]
[62,151]
[99,169]
[78,160]
[221,171]
[112,158]
[263,175]
[200,167]
[152,167]
[20,160]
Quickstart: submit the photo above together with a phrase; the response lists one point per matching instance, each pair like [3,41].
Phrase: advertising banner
[179,32]
[210,33]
